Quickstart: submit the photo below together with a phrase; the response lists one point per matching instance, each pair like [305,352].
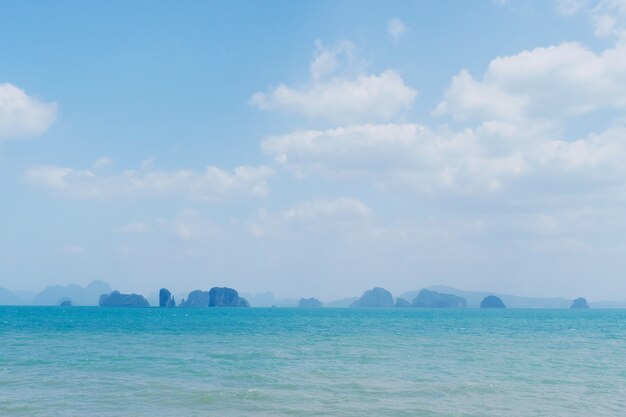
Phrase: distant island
[579,303]
[117,299]
[215,297]
[309,303]
[492,301]
[99,293]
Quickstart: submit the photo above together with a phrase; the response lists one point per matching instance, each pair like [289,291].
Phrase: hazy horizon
[153,293]
[315,149]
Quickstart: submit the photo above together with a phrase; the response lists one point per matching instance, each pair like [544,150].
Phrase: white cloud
[447,162]
[22,115]
[337,208]
[554,83]
[328,60]
[396,28]
[570,7]
[368,97]
[348,150]
[340,97]
[467,98]
[212,184]
[608,17]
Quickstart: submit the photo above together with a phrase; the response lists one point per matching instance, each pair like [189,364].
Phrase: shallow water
[83,361]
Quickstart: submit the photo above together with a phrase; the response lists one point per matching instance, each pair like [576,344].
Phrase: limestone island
[432,299]
[215,297]
[117,299]
[166,299]
[491,301]
[579,303]
[375,298]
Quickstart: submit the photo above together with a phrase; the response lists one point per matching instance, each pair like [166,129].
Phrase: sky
[314,148]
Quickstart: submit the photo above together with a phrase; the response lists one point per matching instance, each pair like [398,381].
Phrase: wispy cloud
[22,115]
[396,28]
[340,97]
[211,185]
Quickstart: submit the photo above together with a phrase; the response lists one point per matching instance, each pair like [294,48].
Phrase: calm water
[329,362]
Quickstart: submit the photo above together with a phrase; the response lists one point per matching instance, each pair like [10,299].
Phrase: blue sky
[314,148]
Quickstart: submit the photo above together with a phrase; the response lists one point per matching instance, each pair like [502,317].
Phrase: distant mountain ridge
[90,295]
[9,298]
[87,296]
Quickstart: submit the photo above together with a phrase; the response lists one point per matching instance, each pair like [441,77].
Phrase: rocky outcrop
[492,301]
[433,299]
[65,303]
[401,302]
[166,299]
[196,298]
[579,303]
[216,297]
[376,297]
[117,299]
[309,303]
[226,297]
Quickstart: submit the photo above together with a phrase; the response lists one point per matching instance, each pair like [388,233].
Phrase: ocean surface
[83,361]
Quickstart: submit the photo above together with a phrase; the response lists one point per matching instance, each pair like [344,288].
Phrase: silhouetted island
[166,299]
[376,297]
[223,297]
[65,303]
[215,297]
[579,303]
[432,299]
[492,301]
[309,303]
[196,298]
[117,299]
[402,303]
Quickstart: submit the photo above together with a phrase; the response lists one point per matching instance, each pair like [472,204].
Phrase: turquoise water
[328,362]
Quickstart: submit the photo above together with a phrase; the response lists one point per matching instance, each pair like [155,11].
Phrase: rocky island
[375,298]
[166,299]
[196,298]
[432,299]
[579,303]
[492,301]
[117,299]
[215,297]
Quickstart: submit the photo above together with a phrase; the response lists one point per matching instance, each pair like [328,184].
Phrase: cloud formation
[211,185]
[411,156]
[396,28]
[608,17]
[23,116]
[556,83]
[340,97]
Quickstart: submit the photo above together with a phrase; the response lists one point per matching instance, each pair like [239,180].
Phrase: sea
[89,361]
